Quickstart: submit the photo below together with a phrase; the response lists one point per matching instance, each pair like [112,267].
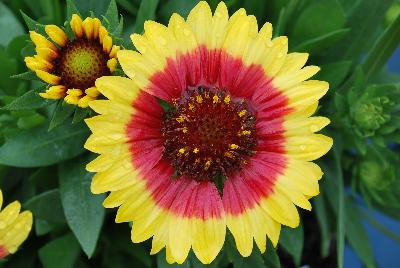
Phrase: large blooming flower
[71,67]
[229,145]
[14,227]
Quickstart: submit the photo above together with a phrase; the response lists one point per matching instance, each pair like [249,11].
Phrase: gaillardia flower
[232,148]
[71,67]
[14,227]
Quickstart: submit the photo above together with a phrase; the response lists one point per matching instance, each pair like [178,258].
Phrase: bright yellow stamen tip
[199,99]
[196,150]
[180,119]
[215,99]
[184,130]
[182,150]
[233,146]
[191,107]
[207,165]
[242,113]
[246,132]
[227,99]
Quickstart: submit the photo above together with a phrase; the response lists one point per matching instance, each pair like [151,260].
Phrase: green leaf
[29,101]
[80,114]
[292,241]
[32,24]
[9,25]
[364,25]
[317,19]
[334,73]
[321,211]
[43,227]
[60,253]
[61,113]
[71,9]
[147,11]
[316,44]
[111,16]
[334,187]
[382,49]
[271,258]
[38,147]
[29,75]
[30,121]
[83,210]
[47,206]
[357,236]
[182,7]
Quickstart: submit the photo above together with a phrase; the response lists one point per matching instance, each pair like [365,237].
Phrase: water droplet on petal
[303,147]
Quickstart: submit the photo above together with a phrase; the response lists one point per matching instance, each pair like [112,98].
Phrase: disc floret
[208,133]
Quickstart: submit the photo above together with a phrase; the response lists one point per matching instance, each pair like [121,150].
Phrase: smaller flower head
[14,227]
[71,66]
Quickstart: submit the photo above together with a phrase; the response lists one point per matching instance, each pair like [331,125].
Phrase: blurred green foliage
[42,158]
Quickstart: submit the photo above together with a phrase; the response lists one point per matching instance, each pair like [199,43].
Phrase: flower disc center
[81,62]
[208,133]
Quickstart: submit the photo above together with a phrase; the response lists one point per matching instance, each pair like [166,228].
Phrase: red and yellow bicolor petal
[228,53]
[14,227]
[126,135]
[57,60]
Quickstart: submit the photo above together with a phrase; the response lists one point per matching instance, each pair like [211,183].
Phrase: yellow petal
[288,80]
[107,44]
[114,51]
[96,27]
[46,53]
[112,64]
[180,237]
[102,33]
[74,92]
[276,56]
[115,178]
[1,199]
[71,99]
[84,101]
[308,147]
[117,198]
[118,88]
[306,93]
[241,229]
[54,92]
[92,92]
[76,25]
[40,41]
[9,214]
[208,238]
[305,126]
[88,27]
[219,26]
[160,237]
[281,209]
[56,34]
[38,63]
[18,231]
[48,78]
[200,21]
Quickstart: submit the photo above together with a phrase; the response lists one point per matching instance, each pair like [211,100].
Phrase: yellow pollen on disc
[207,165]
[227,99]
[242,113]
[180,119]
[215,99]
[246,132]
[184,130]
[182,150]
[199,99]
[196,150]
[191,107]
[233,146]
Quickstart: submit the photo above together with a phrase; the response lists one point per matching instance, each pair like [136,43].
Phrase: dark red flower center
[208,133]
[81,62]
